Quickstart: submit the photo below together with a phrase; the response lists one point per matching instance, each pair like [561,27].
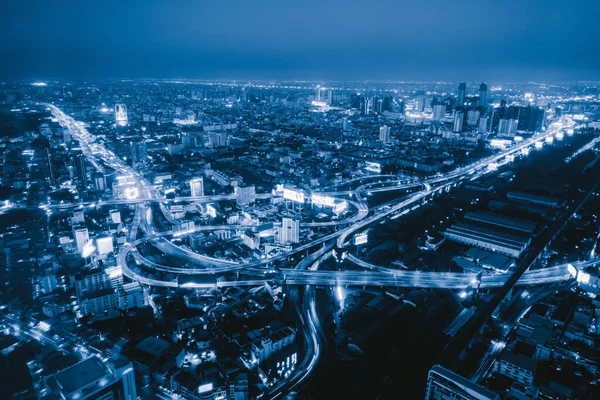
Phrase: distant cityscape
[220,239]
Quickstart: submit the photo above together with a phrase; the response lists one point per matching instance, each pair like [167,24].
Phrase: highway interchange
[306,273]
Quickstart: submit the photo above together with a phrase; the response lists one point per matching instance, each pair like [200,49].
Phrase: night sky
[305,39]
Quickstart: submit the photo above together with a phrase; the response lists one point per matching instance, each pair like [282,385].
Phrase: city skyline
[272,200]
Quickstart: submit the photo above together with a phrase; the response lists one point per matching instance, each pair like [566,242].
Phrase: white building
[385,134]
[290,231]
[81,238]
[104,245]
[115,216]
[245,194]
[197,187]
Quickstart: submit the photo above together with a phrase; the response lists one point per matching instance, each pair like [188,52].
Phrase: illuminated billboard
[373,167]
[131,193]
[207,387]
[211,210]
[296,195]
[323,200]
[361,238]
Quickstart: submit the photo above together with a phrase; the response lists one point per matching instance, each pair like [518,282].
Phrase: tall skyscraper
[197,187]
[473,117]
[99,181]
[484,123]
[139,151]
[121,114]
[482,95]
[245,194]
[439,112]
[290,231]
[443,384]
[385,134]
[459,118]
[81,171]
[460,94]
[530,118]
[507,127]
[81,237]
[420,106]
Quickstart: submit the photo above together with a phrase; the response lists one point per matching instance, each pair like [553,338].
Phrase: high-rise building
[121,114]
[420,105]
[530,118]
[385,134]
[443,384]
[94,378]
[346,125]
[81,238]
[245,194]
[482,95]
[329,96]
[81,171]
[366,106]
[439,112]
[473,117]
[139,151]
[197,187]
[484,123]
[458,121]
[290,231]
[507,127]
[460,94]
[99,181]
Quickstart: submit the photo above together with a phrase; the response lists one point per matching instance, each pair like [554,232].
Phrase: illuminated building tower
[460,94]
[81,171]
[329,96]
[484,123]
[367,106]
[482,95]
[290,231]
[384,134]
[245,194]
[507,127]
[121,114]
[472,117]
[94,378]
[99,181]
[420,106]
[458,121]
[439,112]
[197,187]
[378,106]
[81,236]
[444,384]
[139,151]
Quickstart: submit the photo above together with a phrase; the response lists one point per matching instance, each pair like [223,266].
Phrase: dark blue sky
[304,39]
